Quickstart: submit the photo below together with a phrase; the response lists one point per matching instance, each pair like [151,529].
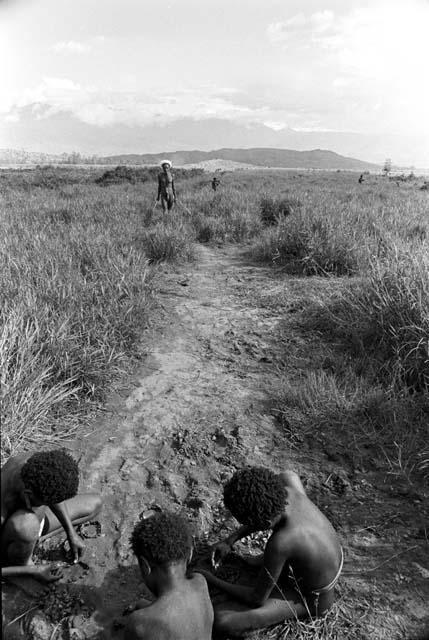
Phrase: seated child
[38,498]
[182,609]
[302,560]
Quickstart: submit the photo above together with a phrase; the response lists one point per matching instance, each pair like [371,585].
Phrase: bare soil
[199,407]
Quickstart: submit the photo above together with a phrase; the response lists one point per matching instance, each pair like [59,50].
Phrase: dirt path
[199,407]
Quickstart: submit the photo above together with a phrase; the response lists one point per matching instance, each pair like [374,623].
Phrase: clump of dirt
[62,601]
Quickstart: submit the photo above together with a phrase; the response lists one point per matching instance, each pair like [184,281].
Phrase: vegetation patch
[273,210]
[168,242]
[75,293]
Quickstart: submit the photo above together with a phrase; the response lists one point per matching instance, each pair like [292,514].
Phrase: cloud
[103,108]
[370,55]
[300,27]
[12,117]
[71,46]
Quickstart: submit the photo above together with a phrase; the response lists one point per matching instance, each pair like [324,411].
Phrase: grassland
[80,265]
[76,287]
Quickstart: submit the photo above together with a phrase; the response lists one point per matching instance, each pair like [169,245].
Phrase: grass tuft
[168,242]
[272,210]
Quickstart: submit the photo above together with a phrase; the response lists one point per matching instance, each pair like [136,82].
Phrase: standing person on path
[166,188]
[215,183]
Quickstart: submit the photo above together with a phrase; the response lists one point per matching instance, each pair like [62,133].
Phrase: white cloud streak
[71,47]
[104,108]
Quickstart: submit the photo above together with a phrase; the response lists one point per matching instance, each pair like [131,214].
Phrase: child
[182,609]
[38,498]
[302,560]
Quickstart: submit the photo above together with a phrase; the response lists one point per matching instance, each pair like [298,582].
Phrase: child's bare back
[311,539]
[185,614]
[182,609]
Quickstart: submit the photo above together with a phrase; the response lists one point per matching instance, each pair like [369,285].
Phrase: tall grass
[339,232]
[229,216]
[75,291]
[168,241]
[375,390]
[387,316]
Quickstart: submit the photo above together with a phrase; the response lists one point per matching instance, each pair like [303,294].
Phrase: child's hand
[48,573]
[76,547]
[219,552]
[130,609]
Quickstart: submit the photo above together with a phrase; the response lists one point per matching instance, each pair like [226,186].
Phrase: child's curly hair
[53,476]
[255,496]
[162,538]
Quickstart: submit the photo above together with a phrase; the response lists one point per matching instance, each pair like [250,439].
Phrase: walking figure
[215,183]
[166,188]
[360,178]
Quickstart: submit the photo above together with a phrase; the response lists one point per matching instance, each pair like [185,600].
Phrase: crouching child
[38,499]
[181,609]
[302,559]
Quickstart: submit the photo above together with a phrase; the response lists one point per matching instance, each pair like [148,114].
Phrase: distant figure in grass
[182,608]
[301,562]
[215,183]
[166,188]
[360,178]
[38,499]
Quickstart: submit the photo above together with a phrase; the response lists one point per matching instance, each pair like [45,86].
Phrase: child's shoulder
[137,622]
[198,581]
[15,462]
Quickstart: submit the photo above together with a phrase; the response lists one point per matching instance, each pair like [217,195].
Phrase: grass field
[76,286]
[84,264]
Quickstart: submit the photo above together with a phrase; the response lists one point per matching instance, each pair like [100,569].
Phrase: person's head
[159,542]
[49,477]
[165,165]
[255,496]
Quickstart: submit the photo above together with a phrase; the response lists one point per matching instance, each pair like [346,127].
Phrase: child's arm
[47,573]
[76,545]
[274,560]
[142,603]
[222,548]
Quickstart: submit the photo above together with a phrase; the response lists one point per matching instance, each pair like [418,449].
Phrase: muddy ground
[199,407]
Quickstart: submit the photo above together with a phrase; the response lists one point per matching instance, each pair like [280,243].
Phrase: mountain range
[254,157]
[54,133]
[259,157]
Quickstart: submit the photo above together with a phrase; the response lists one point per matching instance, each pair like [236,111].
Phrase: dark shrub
[274,209]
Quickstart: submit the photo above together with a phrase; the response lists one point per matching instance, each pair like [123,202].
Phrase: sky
[99,66]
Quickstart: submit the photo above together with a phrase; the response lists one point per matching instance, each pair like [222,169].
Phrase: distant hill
[218,164]
[259,157]
[256,157]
